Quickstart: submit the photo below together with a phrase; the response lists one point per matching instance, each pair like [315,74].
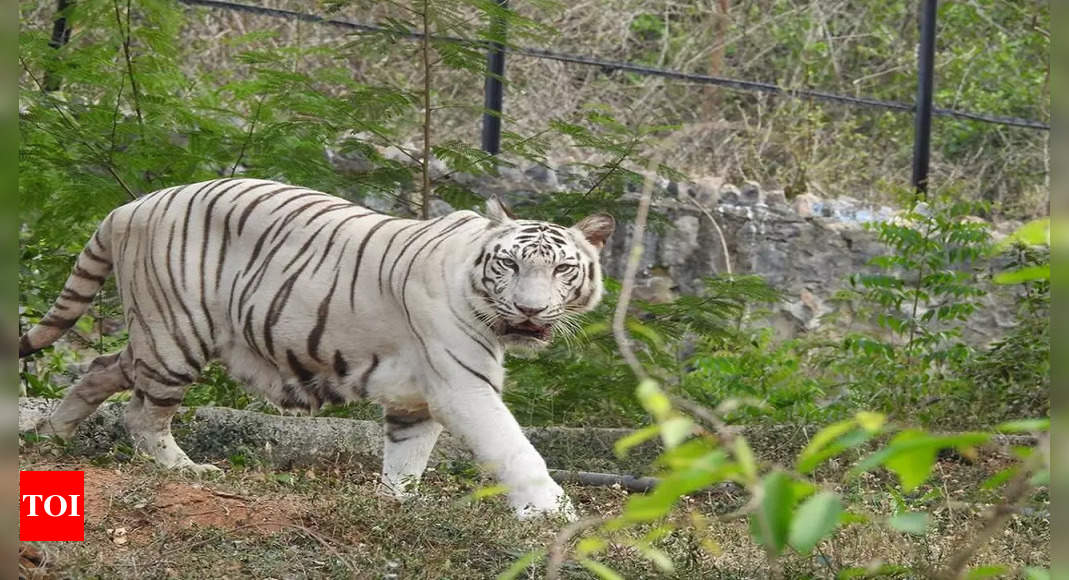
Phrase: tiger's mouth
[528,329]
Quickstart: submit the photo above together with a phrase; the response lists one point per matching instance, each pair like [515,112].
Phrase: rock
[681,241]
[750,193]
[439,208]
[806,205]
[542,176]
[729,194]
[776,198]
[656,288]
[705,190]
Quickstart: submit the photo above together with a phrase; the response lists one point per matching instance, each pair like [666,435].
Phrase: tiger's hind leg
[410,438]
[148,419]
[106,376]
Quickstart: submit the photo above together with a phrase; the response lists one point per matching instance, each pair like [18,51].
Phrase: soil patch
[187,505]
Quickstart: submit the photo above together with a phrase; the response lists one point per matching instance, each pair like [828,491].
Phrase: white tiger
[310,299]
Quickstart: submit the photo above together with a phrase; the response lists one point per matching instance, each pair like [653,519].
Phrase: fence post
[922,137]
[493,91]
[61,35]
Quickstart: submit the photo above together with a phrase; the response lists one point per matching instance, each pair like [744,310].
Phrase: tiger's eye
[509,264]
[564,269]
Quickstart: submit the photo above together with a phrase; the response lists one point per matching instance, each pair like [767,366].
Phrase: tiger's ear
[597,229]
[497,211]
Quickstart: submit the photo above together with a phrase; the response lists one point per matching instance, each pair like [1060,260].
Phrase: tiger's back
[292,289]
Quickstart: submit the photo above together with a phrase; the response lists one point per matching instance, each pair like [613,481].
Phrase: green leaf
[1022,275]
[911,454]
[675,430]
[851,439]
[658,557]
[626,442]
[590,545]
[651,335]
[915,523]
[912,466]
[1036,574]
[1024,426]
[522,564]
[489,491]
[1033,233]
[847,518]
[601,570]
[653,399]
[821,440]
[770,524]
[701,473]
[817,517]
[744,455]
[869,421]
[999,478]
[981,572]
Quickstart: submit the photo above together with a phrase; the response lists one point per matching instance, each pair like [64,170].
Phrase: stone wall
[805,246]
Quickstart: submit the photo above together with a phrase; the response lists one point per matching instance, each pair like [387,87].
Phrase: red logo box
[52,506]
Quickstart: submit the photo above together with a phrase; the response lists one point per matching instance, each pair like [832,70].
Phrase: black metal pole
[493,90]
[922,139]
[61,35]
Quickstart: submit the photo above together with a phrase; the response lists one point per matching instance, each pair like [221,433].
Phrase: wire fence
[738,84]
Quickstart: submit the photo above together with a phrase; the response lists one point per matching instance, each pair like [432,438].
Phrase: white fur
[414,315]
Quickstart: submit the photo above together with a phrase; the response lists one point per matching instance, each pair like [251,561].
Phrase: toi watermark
[52,506]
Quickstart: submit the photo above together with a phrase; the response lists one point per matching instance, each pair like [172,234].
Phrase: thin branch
[917,287]
[719,232]
[628,283]
[248,137]
[425,46]
[725,432]
[613,167]
[125,33]
[115,117]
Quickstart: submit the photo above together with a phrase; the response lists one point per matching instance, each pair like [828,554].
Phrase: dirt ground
[330,522]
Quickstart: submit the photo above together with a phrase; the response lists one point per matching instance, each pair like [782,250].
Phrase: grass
[330,522]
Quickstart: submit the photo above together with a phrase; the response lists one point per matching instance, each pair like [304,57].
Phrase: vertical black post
[922,139]
[61,34]
[493,91]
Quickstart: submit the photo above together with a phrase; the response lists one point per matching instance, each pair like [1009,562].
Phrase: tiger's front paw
[544,500]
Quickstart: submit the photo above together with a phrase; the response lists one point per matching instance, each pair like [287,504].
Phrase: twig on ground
[227,495]
[326,544]
[560,544]
[588,478]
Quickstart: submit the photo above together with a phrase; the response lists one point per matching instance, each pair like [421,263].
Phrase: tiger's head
[533,276]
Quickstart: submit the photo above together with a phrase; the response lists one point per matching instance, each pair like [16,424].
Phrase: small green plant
[918,301]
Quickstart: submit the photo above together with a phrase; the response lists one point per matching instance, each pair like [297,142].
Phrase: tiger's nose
[529,310]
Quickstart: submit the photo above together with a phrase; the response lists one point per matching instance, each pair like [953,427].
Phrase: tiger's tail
[91,269]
